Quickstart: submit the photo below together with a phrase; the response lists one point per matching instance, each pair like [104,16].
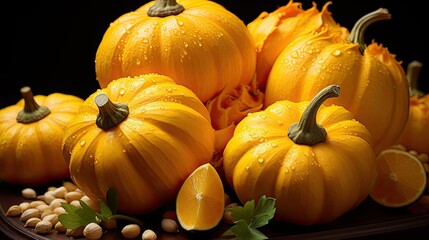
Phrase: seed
[45,212]
[35,203]
[57,203]
[60,192]
[29,193]
[69,186]
[13,211]
[70,196]
[60,228]
[169,225]
[24,206]
[59,210]
[29,213]
[77,232]
[91,203]
[131,231]
[148,234]
[424,157]
[53,218]
[43,207]
[47,198]
[31,222]
[92,231]
[43,227]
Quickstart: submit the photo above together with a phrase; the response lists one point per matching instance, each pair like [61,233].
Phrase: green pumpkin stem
[413,72]
[307,131]
[164,8]
[357,33]
[111,114]
[32,112]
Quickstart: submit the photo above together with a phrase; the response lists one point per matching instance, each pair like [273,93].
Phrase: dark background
[51,45]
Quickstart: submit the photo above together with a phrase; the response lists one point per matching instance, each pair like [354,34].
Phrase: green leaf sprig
[248,218]
[76,217]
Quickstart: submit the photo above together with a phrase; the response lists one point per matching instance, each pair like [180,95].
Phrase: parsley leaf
[248,217]
[76,217]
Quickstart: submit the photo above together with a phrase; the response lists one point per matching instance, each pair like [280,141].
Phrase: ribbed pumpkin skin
[145,158]
[416,131]
[272,32]
[373,84]
[30,153]
[204,48]
[311,184]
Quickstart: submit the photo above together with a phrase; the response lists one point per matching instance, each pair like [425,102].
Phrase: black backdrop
[51,46]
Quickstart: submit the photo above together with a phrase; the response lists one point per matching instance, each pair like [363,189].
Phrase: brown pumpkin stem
[358,30]
[307,131]
[413,72]
[111,114]
[164,8]
[32,112]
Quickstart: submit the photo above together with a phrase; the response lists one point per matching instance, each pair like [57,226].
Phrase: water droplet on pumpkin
[247,167]
[336,53]
[261,160]
[180,23]
[145,40]
[82,143]
[138,62]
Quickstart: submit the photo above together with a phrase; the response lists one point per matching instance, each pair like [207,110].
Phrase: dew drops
[247,167]
[336,53]
[82,143]
[261,160]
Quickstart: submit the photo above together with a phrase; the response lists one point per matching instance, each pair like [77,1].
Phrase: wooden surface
[368,221]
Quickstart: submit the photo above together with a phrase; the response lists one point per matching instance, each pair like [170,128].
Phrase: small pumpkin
[315,160]
[416,131]
[273,31]
[141,136]
[31,134]
[198,43]
[374,85]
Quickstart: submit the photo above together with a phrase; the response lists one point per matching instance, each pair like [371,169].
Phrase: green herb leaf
[247,218]
[76,217]
[112,200]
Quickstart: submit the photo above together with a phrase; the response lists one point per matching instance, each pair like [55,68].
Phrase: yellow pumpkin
[416,131]
[315,160]
[31,133]
[198,43]
[374,85]
[141,136]
[272,32]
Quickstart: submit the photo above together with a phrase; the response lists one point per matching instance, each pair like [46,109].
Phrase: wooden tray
[368,221]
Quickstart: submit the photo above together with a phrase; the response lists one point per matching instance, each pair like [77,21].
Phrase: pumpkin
[31,133]
[272,32]
[198,43]
[141,136]
[315,160]
[414,135]
[374,85]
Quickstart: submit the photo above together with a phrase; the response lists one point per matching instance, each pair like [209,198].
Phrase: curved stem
[307,131]
[127,218]
[164,8]
[357,33]
[32,112]
[111,114]
[413,72]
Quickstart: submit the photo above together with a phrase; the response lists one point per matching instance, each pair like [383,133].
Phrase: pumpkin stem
[32,112]
[111,114]
[164,8]
[413,72]
[307,131]
[357,33]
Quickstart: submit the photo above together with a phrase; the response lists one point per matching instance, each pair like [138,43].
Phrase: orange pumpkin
[272,32]
[315,160]
[416,131]
[198,43]
[141,136]
[374,85]
[31,133]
